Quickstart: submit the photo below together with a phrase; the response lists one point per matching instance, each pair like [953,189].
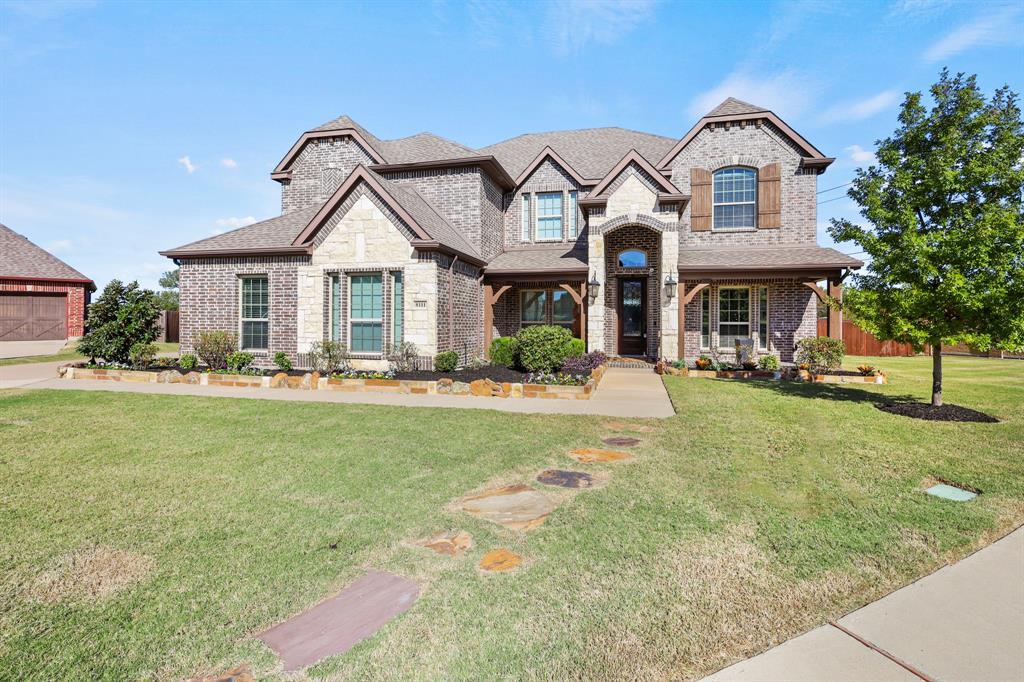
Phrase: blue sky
[126,128]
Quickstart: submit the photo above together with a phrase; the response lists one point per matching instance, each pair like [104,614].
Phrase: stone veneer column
[669,306]
[595,302]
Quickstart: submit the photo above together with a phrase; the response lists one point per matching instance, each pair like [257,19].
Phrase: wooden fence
[168,327]
[860,342]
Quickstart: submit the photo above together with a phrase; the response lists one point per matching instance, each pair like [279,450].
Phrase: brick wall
[548,177]
[754,146]
[460,294]
[792,315]
[617,241]
[320,168]
[76,295]
[210,299]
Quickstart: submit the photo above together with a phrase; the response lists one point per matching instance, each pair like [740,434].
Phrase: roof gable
[549,153]
[21,259]
[634,157]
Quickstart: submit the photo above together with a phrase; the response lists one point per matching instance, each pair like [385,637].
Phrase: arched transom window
[632,259]
[735,192]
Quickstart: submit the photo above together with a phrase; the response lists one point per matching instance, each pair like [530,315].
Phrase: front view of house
[642,245]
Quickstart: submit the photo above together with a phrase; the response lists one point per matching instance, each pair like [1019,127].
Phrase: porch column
[580,299]
[595,299]
[490,298]
[835,315]
[671,331]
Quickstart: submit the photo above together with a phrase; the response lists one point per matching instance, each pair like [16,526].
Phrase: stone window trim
[242,278]
[387,273]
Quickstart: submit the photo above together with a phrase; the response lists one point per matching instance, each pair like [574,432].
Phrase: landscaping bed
[789,374]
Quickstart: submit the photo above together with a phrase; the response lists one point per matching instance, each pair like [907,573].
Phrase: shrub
[744,351]
[867,370]
[543,348]
[576,348]
[477,363]
[504,350]
[820,354]
[703,362]
[749,364]
[402,356]
[214,346]
[239,361]
[121,317]
[141,355]
[585,363]
[282,361]
[188,361]
[446,361]
[328,357]
[769,363]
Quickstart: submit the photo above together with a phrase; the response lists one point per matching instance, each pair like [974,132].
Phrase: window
[365,313]
[397,307]
[632,259]
[531,306]
[255,313]
[563,308]
[705,318]
[735,191]
[526,218]
[549,216]
[336,308]
[574,228]
[762,318]
[733,316]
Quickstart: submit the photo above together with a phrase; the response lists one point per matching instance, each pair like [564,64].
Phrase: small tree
[123,315]
[946,233]
[168,298]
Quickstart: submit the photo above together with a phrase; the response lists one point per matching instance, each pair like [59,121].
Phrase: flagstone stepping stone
[449,542]
[500,559]
[621,441]
[591,455]
[567,479]
[518,507]
[336,625]
[623,426]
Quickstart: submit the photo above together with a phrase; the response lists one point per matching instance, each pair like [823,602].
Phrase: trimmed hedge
[446,361]
[543,348]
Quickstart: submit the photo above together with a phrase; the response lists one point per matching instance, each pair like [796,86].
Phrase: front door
[633,316]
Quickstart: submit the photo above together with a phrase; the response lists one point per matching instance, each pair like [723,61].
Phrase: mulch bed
[495,373]
[943,413]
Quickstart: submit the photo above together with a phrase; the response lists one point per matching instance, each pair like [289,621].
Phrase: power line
[836,187]
[828,200]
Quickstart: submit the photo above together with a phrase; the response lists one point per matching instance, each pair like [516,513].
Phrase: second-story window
[526,218]
[549,216]
[574,228]
[735,196]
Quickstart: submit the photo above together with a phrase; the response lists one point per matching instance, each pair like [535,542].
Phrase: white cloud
[225,224]
[583,23]
[229,163]
[787,93]
[861,109]
[187,163]
[59,245]
[905,8]
[859,154]
[998,28]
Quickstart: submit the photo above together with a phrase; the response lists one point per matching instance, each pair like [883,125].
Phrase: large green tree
[168,298]
[123,316]
[945,228]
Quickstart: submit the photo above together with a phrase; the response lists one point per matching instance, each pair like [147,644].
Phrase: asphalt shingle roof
[21,258]
[419,147]
[735,107]
[776,257]
[540,258]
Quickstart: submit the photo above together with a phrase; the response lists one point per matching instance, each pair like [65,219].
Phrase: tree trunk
[937,374]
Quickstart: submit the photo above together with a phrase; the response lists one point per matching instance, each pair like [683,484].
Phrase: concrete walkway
[28,349]
[963,622]
[621,393]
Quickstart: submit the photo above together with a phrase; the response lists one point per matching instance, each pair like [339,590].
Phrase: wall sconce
[670,286]
[592,287]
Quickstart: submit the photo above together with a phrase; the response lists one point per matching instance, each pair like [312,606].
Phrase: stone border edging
[799,375]
[313,381]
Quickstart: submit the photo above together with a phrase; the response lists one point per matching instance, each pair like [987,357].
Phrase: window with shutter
[700,201]
[769,197]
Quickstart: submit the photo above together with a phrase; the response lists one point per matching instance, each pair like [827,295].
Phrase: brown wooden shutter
[700,199]
[769,197]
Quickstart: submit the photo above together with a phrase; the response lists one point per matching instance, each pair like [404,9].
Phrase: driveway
[20,376]
[27,349]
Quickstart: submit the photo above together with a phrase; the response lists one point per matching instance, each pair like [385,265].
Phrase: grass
[161,533]
[69,354]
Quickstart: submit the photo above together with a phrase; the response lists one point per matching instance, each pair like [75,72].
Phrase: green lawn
[759,511]
[69,354]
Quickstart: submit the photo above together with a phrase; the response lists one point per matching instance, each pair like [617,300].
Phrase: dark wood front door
[632,313]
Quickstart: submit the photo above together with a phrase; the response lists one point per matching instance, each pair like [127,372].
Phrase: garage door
[33,317]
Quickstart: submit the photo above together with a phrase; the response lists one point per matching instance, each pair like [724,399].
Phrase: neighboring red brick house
[41,296]
[642,245]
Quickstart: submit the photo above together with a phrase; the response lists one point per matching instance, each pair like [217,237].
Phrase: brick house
[642,245]
[41,296]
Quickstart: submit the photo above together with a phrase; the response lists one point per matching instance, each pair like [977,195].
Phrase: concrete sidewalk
[963,622]
[621,393]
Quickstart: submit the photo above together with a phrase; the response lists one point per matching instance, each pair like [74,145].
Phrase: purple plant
[585,363]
